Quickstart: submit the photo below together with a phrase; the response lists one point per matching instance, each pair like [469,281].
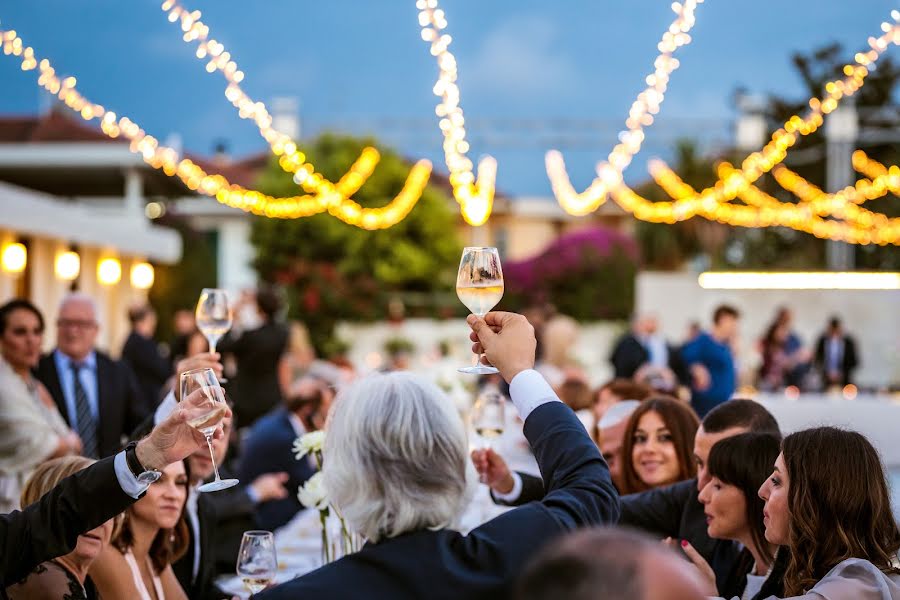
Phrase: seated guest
[31,428]
[270,448]
[601,564]
[738,466]
[153,535]
[657,445]
[64,577]
[396,467]
[610,437]
[618,390]
[50,527]
[828,502]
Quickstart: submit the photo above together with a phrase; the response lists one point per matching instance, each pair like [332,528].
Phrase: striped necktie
[86,426]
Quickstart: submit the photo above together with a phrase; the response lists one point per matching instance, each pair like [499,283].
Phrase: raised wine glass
[479,285]
[256,562]
[214,315]
[212,397]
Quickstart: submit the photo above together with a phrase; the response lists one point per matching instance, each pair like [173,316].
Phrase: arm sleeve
[692,352]
[526,488]
[51,526]
[658,510]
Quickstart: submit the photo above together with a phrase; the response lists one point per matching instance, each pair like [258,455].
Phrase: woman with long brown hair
[658,445]
[828,502]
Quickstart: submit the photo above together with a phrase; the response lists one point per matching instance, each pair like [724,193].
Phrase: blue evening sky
[534,74]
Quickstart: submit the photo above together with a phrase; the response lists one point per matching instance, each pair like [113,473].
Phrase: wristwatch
[144,476]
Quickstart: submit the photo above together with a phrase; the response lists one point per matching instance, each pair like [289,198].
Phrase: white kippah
[617,413]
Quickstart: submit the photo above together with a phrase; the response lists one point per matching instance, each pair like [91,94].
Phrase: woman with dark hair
[31,428]
[828,502]
[658,445]
[737,466]
[154,534]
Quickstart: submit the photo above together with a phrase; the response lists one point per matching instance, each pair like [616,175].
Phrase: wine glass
[479,285]
[203,382]
[488,416]
[214,315]
[256,562]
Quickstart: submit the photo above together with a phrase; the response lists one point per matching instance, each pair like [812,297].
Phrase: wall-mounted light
[67,265]
[14,257]
[142,276]
[109,271]
[824,280]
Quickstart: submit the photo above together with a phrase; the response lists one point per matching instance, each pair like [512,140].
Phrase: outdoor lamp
[14,258]
[109,271]
[68,265]
[142,276]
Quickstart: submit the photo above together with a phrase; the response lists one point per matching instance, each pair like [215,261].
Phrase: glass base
[478,370]
[215,486]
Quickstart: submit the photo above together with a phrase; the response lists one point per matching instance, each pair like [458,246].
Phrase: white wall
[871,316]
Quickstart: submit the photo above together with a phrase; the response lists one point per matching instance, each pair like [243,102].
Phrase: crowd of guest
[663,449]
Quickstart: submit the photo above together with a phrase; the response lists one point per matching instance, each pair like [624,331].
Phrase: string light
[67,265]
[639,116]
[142,276]
[195,178]
[874,170]
[474,195]
[109,271]
[14,257]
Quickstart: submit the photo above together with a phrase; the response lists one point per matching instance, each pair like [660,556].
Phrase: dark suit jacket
[673,511]
[150,369]
[269,449]
[850,360]
[50,527]
[255,388]
[629,354]
[201,587]
[484,563]
[120,407]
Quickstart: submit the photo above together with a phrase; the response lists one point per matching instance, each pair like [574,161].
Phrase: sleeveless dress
[139,581]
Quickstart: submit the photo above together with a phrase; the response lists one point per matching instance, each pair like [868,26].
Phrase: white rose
[313,493]
[310,442]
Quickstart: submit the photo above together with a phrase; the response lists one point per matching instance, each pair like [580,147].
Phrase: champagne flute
[214,315]
[479,285]
[256,562]
[210,411]
[488,417]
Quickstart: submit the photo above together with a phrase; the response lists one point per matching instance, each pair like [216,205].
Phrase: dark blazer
[150,369]
[50,527]
[201,587]
[629,354]
[255,388]
[120,407]
[483,564]
[849,362]
[269,449]
[672,511]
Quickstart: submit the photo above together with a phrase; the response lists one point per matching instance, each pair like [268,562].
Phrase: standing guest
[738,466]
[64,577]
[258,352]
[711,362]
[828,502]
[799,356]
[776,363]
[184,324]
[152,536]
[596,564]
[645,350]
[657,445]
[836,356]
[97,395]
[141,353]
[404,486]
[31,428]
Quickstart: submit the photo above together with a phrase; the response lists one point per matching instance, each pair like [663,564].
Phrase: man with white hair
[97,395]
[396,466]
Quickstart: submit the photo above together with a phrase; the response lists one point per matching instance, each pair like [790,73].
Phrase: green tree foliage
[335,271]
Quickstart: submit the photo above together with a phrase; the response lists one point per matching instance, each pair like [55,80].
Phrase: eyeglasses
[76,324]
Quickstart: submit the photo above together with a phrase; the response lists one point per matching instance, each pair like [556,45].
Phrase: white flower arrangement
[313,493]
[310,442]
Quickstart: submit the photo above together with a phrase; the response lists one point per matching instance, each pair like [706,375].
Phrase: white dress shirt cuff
[528,390]
[165,408]
[513,494]
[130,484]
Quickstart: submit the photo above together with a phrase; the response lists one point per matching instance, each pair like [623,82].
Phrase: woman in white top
[154,534]
[31,428]
[828,502]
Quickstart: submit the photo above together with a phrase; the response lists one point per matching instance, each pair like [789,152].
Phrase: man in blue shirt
[711,363]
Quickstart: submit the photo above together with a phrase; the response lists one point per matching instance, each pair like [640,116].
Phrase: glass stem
[212,455]
[213,340]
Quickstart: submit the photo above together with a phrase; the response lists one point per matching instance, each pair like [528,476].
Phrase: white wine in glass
[488,416]
[214,315]
[209,410]
[257,563]
[479,285]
